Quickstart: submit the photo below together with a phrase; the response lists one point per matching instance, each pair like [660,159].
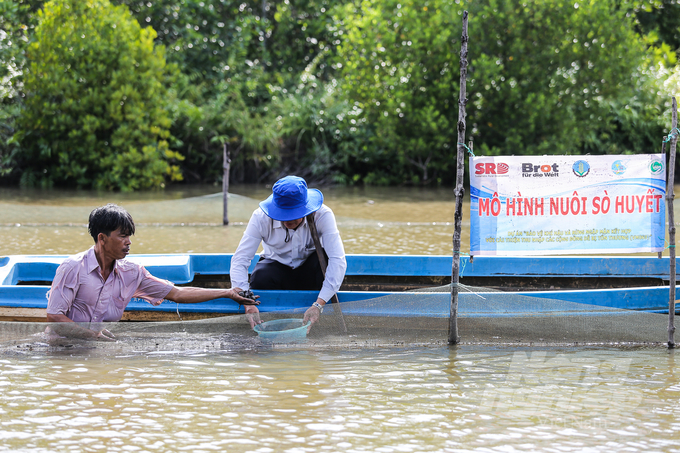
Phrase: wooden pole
[670,195]
[460,190]
[226,164]
[322,262]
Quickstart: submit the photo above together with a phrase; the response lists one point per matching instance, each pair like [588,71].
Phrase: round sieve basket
[282,330]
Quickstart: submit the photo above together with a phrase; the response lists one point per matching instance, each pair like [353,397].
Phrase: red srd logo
[490,168]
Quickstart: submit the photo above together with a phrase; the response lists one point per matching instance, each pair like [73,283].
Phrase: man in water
[289,260]
[95,286]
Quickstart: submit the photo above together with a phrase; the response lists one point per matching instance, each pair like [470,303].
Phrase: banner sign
[547,205]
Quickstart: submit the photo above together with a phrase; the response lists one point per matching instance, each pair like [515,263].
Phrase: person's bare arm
[63,325]
[192,295]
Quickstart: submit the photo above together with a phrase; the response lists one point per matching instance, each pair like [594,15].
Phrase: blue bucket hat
[291,200]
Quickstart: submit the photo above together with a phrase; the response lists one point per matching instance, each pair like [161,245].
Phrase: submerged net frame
[418,318]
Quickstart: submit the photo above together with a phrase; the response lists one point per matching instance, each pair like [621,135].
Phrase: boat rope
[669,246]
[468,149]
[673,134]
[462,270]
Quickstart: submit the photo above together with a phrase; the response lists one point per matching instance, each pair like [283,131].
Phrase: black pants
[270,274]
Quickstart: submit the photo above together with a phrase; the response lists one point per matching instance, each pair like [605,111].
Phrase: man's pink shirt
[79,291]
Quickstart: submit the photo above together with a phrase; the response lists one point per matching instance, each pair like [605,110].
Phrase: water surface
[385,399]
[189,219]
[182,392]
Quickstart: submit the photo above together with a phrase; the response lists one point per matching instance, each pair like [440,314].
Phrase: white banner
[546,205]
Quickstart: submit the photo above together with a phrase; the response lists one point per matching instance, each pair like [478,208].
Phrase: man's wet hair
[106,219]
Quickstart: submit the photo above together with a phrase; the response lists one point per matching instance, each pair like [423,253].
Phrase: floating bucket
[282,331]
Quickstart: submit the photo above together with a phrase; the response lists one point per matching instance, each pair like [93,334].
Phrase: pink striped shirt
[79,291]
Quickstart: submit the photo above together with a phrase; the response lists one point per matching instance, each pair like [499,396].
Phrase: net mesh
[419,317]
[399,319]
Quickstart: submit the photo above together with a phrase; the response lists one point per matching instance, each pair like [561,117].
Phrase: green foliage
[313,119]
[215,39]
[220,94]
[11,36]
[342,92]
[633,124]
[303,36]
[209,40]
[397,68]
[239,62]
[8,150]
[542,77]
[94,112]
[204,125]
[659,23]
[548,73]
[16,21]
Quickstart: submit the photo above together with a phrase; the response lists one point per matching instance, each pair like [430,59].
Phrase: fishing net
[400,319]
[408,318]
[495,317]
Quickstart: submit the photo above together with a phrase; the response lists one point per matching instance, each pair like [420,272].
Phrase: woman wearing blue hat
[289,260]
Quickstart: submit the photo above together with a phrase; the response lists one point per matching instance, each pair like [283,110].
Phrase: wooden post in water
[460,190]
[671,225]
[226,164]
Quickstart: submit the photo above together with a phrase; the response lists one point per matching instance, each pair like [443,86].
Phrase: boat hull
[630,283]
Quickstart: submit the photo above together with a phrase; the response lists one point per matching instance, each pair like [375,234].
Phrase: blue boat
[620,282]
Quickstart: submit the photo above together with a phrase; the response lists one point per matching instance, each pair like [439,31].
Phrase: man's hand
[193,295]
[245,297]
[105,335]
[63,326]
[312,314]
[253,315]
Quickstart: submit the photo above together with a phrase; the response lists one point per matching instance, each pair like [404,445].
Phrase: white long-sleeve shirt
[272,234]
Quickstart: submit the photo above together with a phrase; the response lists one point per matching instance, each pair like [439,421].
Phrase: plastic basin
[282,330]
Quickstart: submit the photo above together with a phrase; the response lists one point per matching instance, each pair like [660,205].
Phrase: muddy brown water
[176,390]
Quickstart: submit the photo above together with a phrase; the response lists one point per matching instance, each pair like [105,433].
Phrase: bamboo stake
[322,262]
[670,195]
[226,161]
[460,190]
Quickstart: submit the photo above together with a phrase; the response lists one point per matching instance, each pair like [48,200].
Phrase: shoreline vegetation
[130,95]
